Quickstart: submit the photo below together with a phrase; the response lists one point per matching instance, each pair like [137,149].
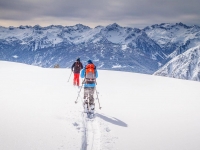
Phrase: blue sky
[127,13]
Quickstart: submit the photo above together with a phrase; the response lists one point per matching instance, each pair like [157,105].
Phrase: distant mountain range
[185,66]
[111,47]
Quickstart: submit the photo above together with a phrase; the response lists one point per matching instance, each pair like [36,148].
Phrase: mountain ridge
[185,66]
[112,47]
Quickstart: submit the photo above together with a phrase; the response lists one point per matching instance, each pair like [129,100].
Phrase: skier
[89,73]
[76,68]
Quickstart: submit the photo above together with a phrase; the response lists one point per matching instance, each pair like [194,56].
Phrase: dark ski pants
[89,94]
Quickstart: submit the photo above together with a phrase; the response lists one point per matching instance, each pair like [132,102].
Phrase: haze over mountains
[111,47]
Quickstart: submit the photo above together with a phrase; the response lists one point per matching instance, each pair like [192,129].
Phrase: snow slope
[37,111]
[184,66]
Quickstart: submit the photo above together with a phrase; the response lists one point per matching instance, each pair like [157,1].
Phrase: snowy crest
[130,49]
[185,66]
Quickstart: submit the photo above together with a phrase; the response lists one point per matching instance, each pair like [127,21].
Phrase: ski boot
[91,110]
[85,106]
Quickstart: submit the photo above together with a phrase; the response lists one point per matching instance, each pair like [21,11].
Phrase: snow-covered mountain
[184,66]
[139,112]
[110,47]
[174,39]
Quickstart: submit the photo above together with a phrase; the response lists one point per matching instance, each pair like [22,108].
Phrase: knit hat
[89,61]
[78,59]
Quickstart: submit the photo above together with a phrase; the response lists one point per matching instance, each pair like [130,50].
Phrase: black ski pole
[69,76]
[98,98]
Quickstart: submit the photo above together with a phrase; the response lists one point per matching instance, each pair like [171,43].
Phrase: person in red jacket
[76,68]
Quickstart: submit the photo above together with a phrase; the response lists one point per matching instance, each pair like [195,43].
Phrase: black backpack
[77,66]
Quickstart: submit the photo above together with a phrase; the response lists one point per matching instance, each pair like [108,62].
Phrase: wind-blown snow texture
[184,66]
[141,112]
[111,47]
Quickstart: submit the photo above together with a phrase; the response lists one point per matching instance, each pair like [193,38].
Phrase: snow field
[37,111]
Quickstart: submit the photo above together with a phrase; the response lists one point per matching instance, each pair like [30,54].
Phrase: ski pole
[98,99]
[69,76]
[78,94]
[79,91]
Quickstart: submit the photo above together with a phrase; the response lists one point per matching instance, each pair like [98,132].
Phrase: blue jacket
[83,76]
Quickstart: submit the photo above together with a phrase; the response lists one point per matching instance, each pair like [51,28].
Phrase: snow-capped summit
[111,47]
[185,66]
[113,26]
[38,27]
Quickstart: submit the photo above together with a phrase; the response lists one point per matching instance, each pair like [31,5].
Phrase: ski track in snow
[84,138]
[91,131]
[93,134]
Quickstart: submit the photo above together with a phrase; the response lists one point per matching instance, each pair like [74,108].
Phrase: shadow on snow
[112,120]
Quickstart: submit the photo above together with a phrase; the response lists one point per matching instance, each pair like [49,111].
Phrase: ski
[89,110]
[90,115]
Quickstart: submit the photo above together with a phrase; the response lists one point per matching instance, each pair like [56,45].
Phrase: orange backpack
[90,71]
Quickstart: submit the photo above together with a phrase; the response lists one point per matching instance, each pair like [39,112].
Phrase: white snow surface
[140,112]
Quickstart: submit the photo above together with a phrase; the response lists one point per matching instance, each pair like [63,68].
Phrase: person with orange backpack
[76,68]
[89,73]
